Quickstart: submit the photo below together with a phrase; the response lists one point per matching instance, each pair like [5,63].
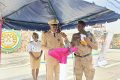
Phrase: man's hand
[63,35]
[72,44]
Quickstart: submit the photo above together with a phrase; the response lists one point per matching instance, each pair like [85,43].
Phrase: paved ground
[16,66]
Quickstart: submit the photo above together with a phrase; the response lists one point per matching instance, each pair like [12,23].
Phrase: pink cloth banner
[61,53]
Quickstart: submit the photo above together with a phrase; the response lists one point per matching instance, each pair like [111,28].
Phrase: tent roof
[113,5]
[35,15]
[9,6]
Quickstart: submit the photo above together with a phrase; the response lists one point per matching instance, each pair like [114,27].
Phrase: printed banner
[0,39]
[11,40]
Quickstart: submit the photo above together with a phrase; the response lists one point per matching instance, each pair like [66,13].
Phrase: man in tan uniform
[51,40]
[83,57]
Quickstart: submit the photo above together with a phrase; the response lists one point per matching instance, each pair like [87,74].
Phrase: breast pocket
[59,40]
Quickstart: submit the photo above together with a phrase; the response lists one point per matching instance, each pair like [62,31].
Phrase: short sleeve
[43,41]
[73,39]
[29,47]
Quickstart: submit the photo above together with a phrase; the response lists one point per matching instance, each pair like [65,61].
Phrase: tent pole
[52,9]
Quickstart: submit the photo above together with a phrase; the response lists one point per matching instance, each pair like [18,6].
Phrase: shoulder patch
[89,33]
[75,34]
[45,31]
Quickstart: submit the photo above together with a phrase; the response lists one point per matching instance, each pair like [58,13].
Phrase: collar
[52,32]
[35,42]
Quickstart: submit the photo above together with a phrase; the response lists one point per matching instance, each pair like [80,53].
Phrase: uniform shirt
[82,49]
[51,42]
[34,46]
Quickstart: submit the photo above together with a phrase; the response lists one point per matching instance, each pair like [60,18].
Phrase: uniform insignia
[45,31]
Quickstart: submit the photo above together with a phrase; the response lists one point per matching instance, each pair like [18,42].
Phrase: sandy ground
[15,66]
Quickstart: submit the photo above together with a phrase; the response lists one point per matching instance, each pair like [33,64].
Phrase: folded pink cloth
[61,53]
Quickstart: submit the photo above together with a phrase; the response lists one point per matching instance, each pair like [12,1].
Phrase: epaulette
[45,31]
[89,33]
[76,34]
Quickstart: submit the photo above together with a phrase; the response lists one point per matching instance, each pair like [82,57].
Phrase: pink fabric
[61,53]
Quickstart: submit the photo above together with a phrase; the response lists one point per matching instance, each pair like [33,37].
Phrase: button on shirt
[34,46]
[54,34]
